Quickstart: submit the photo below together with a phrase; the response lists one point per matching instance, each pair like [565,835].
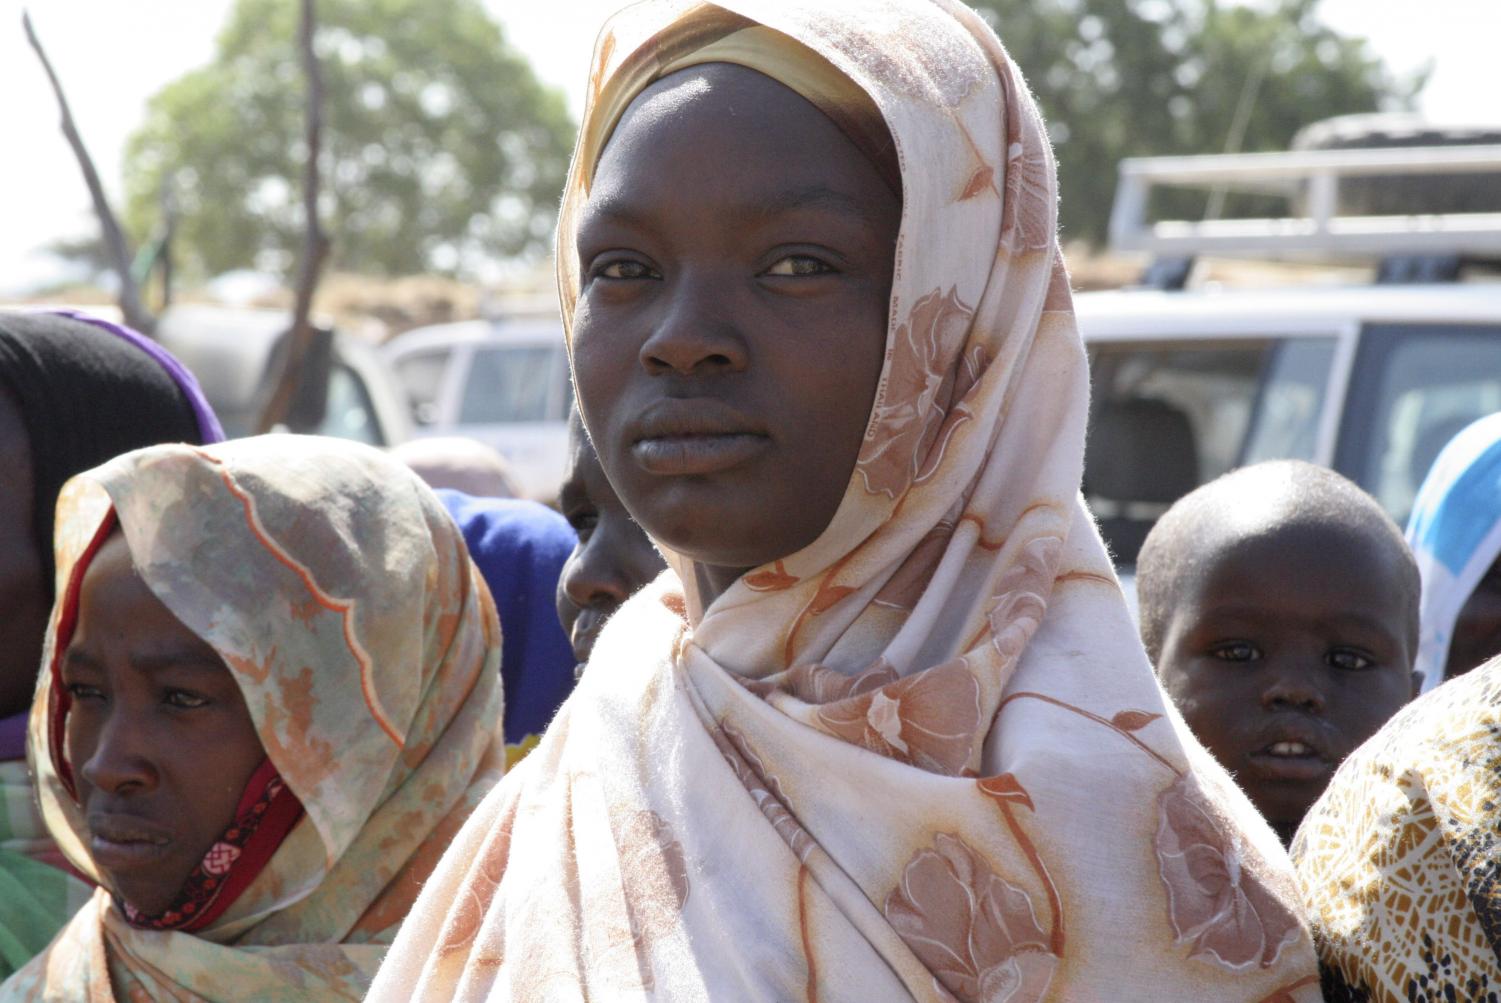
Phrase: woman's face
[736,257]
[161,743]
[23,590]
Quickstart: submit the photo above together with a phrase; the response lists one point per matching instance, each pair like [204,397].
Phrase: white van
[1369,379]
[502,382]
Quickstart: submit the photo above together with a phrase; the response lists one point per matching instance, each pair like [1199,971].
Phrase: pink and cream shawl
[924,757]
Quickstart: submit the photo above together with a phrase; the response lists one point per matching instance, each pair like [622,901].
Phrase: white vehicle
[346,391]
[1371,380]
[503,382]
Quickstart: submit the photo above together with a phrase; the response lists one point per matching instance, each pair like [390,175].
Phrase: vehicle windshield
[1167,416]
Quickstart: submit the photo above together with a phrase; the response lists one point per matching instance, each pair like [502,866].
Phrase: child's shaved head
[1280,607]
[1281,496]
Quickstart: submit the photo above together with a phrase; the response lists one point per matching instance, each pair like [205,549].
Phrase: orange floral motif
[930,720]
[773,579]
[1215,902]
[1026,209]
[976,932]
[911,408]
[1022,597]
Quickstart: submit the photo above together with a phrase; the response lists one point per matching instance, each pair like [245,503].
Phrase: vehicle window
[350,413]
[421,376]
[1413,389]
[1285,423]
[507,385]
[1166,417]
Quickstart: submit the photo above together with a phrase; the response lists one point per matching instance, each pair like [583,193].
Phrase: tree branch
[131,306]
[315,244]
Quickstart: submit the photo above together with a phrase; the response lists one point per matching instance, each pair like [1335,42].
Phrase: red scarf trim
[267,812]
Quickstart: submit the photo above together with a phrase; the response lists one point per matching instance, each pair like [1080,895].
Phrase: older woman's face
[23,590]
[161,743]
[736,256]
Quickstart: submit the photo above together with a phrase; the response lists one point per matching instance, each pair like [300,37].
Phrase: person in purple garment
[74,392]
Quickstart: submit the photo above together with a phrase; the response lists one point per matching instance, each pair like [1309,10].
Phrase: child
[270,697]
[885,730]
[1280,606]
[613,559]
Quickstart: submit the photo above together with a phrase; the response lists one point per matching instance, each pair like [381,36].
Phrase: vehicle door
[515,398]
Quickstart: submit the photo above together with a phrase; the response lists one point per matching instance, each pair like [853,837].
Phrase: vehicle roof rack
[1315,229]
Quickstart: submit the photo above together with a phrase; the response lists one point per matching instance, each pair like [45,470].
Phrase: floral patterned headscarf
[342,598]
[925,756]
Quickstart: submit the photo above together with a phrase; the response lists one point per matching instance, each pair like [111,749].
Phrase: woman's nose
[119,762]
[695,335]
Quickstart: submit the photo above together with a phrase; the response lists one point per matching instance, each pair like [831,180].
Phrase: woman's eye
[83,691]
[1235,651]
[184,699]
[1350,661]
[626,269]
[800,265]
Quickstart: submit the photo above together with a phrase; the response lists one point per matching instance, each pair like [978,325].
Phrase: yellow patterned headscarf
[343,600]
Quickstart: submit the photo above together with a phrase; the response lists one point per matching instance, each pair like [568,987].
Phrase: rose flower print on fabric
[914,408]
[978,934]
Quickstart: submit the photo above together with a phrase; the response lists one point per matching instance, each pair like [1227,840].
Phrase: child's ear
[1417,685]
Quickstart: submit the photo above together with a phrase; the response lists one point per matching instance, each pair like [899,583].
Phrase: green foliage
[441,147]
[1120,78]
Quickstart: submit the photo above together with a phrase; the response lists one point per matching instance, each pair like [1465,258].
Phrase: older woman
[270,698]
[74,391]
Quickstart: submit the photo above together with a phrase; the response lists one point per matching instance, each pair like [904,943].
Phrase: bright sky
[112,56]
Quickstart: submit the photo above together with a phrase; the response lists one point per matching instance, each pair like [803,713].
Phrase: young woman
[74,391]
[888,733]
[270,698]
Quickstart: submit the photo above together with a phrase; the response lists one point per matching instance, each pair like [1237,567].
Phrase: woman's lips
[121,842]
[681,455]
[679,436]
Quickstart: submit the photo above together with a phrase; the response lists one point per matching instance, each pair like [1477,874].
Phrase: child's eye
[83,691]
[1235,651]
[583,522]
[800,265]
[184,700]
[1350,661]
[626,269]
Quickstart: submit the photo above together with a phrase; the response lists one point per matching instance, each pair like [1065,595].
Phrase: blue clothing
[519,548]
[1455,534]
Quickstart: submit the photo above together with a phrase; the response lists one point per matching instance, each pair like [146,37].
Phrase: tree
[441,147]
[1120,78]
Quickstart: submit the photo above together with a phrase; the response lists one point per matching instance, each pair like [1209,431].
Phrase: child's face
[613,558]
[736,257]
[158,734]
[1287,653]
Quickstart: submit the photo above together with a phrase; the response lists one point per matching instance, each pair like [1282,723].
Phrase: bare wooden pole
[131,305]
[315,244]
